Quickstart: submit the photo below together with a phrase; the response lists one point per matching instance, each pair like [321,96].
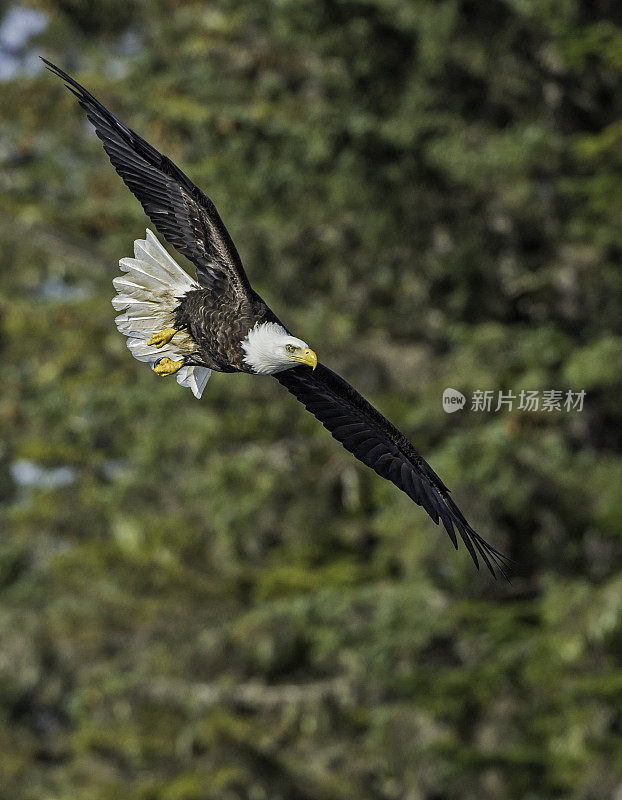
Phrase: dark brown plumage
[369,436]
[218,321]
[219,315]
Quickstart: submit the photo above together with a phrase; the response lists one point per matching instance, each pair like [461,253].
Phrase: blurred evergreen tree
[216,601]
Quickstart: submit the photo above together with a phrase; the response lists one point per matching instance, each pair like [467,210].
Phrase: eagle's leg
[166,366]
[162,337]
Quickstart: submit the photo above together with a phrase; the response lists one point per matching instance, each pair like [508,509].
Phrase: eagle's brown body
[218,322]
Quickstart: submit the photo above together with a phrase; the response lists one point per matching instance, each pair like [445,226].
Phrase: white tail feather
[194,378]
[148,294]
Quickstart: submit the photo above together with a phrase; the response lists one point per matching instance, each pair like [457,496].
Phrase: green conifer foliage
[211,600]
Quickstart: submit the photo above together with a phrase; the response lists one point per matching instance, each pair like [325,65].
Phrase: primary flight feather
[189,328]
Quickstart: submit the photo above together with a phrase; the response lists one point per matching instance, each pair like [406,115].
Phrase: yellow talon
[162,338]
[167,366]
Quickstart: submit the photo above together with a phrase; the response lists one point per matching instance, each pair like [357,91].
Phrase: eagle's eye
[291,348]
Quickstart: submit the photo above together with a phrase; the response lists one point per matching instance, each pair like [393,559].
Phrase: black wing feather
[377,443]
[185,216]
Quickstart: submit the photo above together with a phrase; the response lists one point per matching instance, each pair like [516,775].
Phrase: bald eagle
[190,327]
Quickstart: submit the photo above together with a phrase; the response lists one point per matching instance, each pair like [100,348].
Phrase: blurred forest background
[213,599]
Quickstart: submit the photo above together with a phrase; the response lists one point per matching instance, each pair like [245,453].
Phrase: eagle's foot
[162,337]
[166,366]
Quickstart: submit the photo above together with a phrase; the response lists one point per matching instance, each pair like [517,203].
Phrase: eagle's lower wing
[370,437]
[185,216]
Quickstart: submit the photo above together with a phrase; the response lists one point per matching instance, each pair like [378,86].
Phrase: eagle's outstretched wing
[370,437]
[185,216]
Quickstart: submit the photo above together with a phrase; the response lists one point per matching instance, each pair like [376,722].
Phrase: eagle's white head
[269,348]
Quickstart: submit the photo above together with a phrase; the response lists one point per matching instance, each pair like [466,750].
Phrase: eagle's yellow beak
[306,356]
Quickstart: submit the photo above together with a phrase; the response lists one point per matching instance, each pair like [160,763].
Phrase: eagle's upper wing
[180,211]
[370,437]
